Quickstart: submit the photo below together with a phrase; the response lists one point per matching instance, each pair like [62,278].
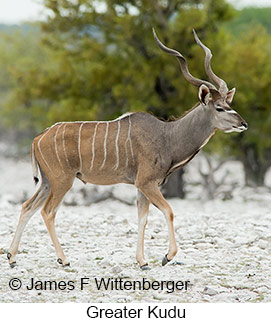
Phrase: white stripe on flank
[117,147]
[126,152]
[64,146]
[93,146]
[56,149]
[105,139]
[128,140]
[79,146]
[40,148]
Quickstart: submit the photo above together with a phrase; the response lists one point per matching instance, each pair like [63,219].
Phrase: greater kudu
[136,148]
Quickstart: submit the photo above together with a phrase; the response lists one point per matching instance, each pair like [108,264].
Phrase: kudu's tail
[35,165]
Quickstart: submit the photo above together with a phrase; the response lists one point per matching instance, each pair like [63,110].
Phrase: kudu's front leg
[143,210]
[152,192]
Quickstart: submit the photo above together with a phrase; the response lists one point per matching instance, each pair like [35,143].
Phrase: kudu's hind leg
[152,192]
[49,212]
[143,210]
[28,209]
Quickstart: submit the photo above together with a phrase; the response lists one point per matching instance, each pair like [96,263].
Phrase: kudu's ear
[230,95]
[204,94]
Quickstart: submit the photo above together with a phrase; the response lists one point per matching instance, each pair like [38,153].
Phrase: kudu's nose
[244,124]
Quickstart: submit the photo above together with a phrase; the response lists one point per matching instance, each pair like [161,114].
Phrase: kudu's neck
[190,133]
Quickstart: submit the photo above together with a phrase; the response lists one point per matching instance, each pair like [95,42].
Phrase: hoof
[165,260]
[12,264]
[59,260]
[145,267]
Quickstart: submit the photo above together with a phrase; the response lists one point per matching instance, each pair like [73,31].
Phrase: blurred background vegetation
[97,60]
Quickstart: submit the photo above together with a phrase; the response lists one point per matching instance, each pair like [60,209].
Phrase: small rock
[263,244]
[158,297]
[209,291]
[3,251]
[179,263]
[116,269]
[263,289]
[211,233]
[104,263]
[250,275]
[203,246]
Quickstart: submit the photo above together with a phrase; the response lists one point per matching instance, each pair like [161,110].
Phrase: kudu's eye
[219,110]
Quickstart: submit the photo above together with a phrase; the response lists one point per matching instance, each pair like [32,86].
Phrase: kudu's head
[216,100]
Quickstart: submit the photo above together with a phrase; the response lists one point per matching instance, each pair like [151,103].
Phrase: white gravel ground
[225,247]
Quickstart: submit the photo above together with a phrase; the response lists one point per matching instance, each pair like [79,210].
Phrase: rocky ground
[225,246]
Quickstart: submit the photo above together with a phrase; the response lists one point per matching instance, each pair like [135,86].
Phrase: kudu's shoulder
[142,118]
